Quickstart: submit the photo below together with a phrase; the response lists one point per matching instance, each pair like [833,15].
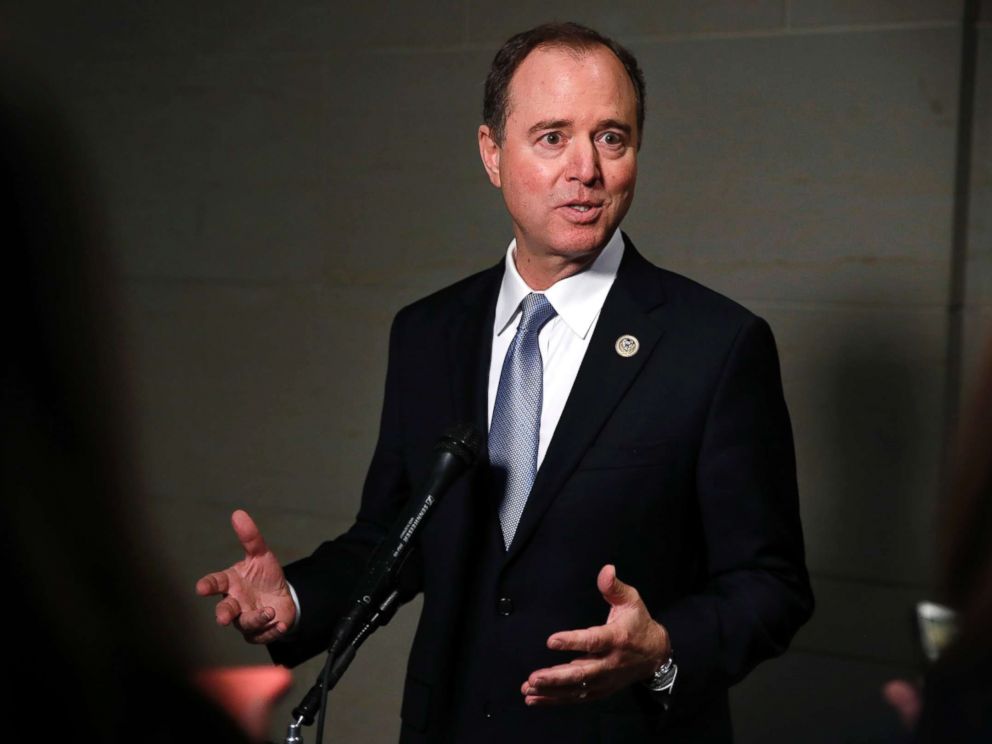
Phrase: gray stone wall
[280,178]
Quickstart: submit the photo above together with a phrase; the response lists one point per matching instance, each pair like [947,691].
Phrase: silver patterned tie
[516,426]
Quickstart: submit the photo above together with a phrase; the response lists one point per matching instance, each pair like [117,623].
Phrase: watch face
[664,678]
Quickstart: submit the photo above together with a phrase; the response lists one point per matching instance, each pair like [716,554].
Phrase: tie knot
[535,312]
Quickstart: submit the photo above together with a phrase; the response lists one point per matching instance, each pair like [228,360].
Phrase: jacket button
[504,606]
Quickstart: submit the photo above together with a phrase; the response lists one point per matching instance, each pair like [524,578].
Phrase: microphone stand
[375,601]
[351,632]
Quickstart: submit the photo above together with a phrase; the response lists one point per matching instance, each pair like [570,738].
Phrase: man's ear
[489,151]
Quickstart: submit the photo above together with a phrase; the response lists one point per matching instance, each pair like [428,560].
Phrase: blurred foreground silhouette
[98,650]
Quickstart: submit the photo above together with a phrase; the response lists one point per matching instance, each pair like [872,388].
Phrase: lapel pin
[627,345]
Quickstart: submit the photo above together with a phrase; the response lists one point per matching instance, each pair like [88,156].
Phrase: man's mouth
[582,212]
[583,206]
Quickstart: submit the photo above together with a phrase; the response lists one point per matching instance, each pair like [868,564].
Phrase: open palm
[255,596]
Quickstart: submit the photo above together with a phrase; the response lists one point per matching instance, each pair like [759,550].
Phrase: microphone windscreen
[463,441]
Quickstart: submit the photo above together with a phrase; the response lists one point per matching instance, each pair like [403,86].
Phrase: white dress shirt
[564,339]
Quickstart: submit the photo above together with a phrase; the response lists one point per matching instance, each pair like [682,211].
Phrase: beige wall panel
[865,387]
[864,620]
[259,395]
[844,12]
[627,18]
[118,28]
[812,168]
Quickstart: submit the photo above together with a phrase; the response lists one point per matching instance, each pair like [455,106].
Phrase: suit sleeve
[324,580]
[757,592]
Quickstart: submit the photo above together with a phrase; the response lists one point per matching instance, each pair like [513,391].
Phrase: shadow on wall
[869,446]
[882,467]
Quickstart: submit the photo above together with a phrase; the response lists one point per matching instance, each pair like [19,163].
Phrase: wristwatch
[664,677]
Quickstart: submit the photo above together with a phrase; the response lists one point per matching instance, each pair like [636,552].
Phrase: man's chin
[585,245]
[578,245]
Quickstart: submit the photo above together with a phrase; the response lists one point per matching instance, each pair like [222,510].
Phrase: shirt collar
[577,299]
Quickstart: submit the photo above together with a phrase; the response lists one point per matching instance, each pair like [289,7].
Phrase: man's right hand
[256,597]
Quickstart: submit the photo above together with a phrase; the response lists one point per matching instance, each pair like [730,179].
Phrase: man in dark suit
[636,428]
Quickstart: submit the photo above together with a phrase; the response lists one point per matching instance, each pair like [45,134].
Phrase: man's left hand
[628,649]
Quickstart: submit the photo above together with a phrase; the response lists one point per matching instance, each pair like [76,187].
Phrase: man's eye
[552,138]
[612,139]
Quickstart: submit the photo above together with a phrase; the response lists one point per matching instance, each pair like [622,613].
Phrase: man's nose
[583,161]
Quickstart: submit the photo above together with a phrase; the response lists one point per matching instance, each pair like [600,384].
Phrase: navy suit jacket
[675,464]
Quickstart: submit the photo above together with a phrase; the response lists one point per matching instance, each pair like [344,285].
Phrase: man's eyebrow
[566,123]
[616,124]
[550,124]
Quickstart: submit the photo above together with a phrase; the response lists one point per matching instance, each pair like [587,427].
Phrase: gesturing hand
[628,649]
[256,598]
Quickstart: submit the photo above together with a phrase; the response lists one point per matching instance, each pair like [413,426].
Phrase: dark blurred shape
[957,695]
[96,654]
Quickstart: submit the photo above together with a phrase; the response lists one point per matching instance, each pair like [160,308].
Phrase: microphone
[374,600]
[454,453]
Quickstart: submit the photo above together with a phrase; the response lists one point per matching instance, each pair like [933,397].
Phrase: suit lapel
[604,376]
[470,347]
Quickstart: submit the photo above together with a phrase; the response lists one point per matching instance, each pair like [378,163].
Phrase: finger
[215,583]
[227,610]
[577,675]
[559,693]
[596,640]
[248,534]
[545,701]
[613,590]
[573,697]
[573,673]
[255,620]
[269,634]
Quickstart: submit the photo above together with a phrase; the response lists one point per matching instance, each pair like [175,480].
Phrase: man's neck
[540,274]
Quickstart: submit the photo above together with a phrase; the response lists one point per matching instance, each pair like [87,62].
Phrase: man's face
[568,162]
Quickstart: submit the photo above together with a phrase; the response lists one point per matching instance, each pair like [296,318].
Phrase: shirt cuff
[296,601]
